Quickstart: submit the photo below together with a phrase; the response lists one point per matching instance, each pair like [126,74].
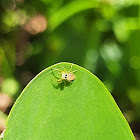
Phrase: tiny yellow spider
[66,75]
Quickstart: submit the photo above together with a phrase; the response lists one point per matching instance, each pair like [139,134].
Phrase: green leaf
[69,10]
[82,110]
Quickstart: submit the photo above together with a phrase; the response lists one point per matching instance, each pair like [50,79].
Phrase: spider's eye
[66,76]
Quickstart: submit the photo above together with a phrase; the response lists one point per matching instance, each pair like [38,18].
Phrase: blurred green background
[101,35]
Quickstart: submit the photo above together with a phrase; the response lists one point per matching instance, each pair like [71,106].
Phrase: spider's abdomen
[70,77]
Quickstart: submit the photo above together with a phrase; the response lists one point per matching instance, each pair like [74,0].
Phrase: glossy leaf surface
[82,110]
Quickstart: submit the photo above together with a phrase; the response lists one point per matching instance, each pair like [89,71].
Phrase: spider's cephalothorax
[66,75]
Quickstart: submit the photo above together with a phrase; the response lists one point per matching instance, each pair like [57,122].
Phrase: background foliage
[101,35]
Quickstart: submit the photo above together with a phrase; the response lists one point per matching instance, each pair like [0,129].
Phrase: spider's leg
[57,69]
[70,68]
[64,68]
[59,81]
[59,77]
[73,71]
